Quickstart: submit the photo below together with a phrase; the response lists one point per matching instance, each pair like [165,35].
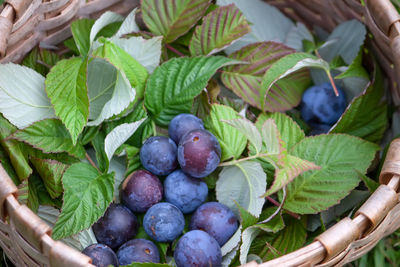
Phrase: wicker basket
[26,23]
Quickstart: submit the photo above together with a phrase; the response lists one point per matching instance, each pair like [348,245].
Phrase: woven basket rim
[34,21]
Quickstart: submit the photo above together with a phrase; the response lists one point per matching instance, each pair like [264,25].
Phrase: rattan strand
[26,23]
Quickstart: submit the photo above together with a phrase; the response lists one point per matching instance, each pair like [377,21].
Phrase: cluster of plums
[321,108]
[198,154]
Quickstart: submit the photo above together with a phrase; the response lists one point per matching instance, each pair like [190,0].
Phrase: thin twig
[276,203]
[91,161]
[174,50]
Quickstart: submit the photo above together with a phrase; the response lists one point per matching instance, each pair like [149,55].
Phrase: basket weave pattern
[26,23]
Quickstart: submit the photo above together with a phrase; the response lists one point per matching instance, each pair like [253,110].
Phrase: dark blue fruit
[158,155]
[199,153]
[216,219]
[319,129]
[185,192]
[117,226]
[320,105]
[138,250]
[141,190]
[182,124]
[197,249]
[163,222]
[101,255]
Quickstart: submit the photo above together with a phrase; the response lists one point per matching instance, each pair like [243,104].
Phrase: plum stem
[176,51]
[91,161]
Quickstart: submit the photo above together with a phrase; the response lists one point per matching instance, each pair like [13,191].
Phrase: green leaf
[51,172]
[244,184]
[232,243]
[146,51]
[267,23]
[81,32]
[41,192]
[118,166]
[340,157]
[50,136]
[349,36]
[174,18]
[109,95]
[366,116]
[289,130]
[86,197]
[271,137]
[134,71]
[297,36]
[171,88]
[245,79]
[119,135]
[106,19]
[129,25]
[220,28]
[250,233]
[246,218]
[291,168]
[231,140]
[101,158]
[23,99]
[133,160]
[80,241]
[285,66]
[355,69]
[7,166]
[249,131]
[369,183]
[69,75]
[41,60]
[27,194]
[292,237]
[16,151]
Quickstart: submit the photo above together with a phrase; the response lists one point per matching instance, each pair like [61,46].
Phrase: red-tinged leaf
[51,172]
[173,18]
[245,80]
[219,29]
[291,168]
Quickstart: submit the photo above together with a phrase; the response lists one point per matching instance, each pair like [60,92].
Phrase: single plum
[216,219]
[199,153]
[182,124]
[185,192]
[320,105]
[197,249]
[101,255]
[141,190]
[138,250]
[158,155]
[117,226]
[163,222]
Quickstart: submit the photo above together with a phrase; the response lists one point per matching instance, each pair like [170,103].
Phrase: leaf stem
[153,124]
[236,161]
[332,82]
[276,203]
[91,161]
[328,72]
[176,51]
